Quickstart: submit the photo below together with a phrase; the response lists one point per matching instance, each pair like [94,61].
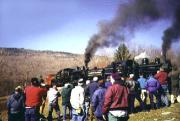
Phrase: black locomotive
[124,68]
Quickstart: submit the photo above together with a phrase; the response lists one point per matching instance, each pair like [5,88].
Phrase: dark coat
[66,94]
[92,88]
[116,98]
[98,100]
[134,86]
[15,103]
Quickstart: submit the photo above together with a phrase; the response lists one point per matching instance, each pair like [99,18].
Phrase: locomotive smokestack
[164,57]
[86,64]
[87,60]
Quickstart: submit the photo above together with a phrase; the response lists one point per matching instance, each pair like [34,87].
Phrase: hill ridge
[21,51]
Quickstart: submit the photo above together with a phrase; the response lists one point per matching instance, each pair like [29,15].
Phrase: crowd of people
[110,99]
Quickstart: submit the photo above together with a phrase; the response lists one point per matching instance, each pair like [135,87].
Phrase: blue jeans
[15,117]
[86,110]
[32,114]
[151,97]
[99,119]
[51,107]
[113,118]
[164,98]
[132,97]
[64,111]
[76,116]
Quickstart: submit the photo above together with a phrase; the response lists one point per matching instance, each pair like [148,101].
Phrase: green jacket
[66,93]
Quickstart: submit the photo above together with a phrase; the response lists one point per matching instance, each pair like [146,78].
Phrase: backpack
[134,86]
[137,87]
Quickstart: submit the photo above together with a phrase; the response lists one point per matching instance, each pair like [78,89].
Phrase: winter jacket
[77,97]
[92,88]
[53,95]
[87,94]
[152,84]
[108,84]
[15,103]
[143,82]
[162,77]
[34,95]
[98,100]
[116,98]
[134,86]
[66,94]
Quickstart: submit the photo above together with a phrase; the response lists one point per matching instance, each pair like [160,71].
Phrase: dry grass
[163,114]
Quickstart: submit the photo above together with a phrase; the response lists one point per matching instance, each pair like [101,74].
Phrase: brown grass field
[164,114]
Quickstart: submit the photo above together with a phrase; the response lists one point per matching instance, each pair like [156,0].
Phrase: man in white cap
[77,101]
[66,94]
[93,86]
[15,105]
[134,93]
[91,89]
[52,95]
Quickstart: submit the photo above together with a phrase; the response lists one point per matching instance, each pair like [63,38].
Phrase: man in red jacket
[33,95]
[116,100]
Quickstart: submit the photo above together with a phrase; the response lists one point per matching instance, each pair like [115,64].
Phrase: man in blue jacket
[143,82]
[15,105]
[98,100]
[134,93]
[153,86]
[92,87]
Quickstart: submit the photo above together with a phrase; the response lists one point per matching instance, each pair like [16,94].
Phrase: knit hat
[87,82]
[18,88]
[131,76]
[95,79]
[101,83]
[161,69]
[35,81]
[66,85]
[80,82]
[115,76]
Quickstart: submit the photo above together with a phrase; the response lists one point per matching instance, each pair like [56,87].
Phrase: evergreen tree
[122,53]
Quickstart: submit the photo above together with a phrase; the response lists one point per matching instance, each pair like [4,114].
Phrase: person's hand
[104,117]
[78,110]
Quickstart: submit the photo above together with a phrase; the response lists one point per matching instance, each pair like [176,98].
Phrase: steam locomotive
[124,68]
[70,75]
[145,67]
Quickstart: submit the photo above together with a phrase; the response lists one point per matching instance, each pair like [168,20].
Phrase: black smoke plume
[130,16]
[172,33]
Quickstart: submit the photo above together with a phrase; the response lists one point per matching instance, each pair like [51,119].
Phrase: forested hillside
[18,65]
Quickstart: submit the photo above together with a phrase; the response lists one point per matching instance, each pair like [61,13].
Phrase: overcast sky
[62,25]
